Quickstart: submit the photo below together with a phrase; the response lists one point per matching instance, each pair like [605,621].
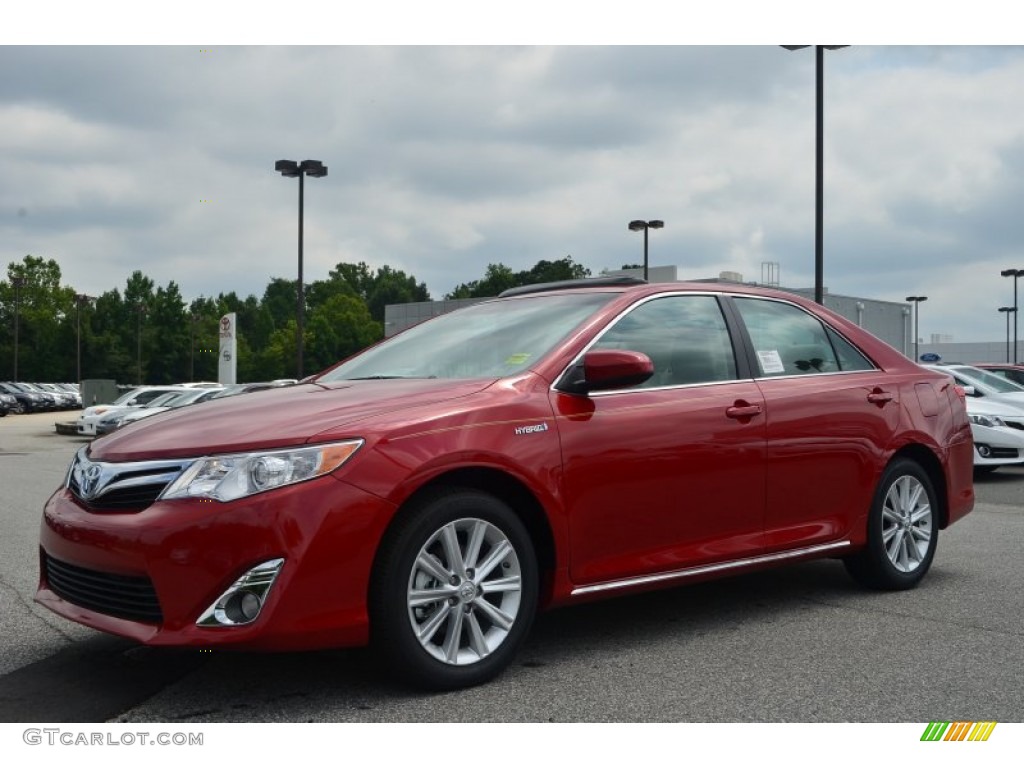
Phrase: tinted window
[685,337]
[787,340]
[850,358]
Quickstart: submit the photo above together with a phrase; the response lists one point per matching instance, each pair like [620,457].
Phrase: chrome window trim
[700,570]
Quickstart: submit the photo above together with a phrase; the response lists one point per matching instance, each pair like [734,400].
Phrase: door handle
[879,397]
[742,410]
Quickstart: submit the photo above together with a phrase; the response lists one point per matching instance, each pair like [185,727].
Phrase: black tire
[903,530]
[462,630]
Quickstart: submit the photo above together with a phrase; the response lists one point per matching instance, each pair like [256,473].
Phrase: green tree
[377,289]
[168,334]
[499,277]
[337,329]
[496,279]
[45,320]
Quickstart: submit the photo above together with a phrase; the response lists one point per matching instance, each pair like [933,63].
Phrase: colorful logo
[958,731]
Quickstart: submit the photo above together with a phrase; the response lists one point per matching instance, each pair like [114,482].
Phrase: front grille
[120,487]
[126,597]
[1014,424]
[133,499]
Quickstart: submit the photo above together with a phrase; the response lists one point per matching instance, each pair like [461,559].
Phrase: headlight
[986,421]
[235,476]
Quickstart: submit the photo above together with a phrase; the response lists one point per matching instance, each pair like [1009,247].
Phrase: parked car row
[143,402]
[25,397]
[995,406]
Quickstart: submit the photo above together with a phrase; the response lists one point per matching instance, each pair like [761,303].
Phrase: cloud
[444,159]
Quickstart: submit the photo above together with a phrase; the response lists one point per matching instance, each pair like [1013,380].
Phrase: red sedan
[557,444]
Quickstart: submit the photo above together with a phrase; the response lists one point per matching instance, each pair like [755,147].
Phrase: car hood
[273,418]
[989,407]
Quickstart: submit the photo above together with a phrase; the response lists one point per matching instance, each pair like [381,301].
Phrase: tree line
[151,334]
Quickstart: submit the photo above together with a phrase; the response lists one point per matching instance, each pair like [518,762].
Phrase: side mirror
[604,369]
[970,391]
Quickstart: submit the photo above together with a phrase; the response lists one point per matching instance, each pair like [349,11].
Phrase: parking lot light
[1008,310]
[639,224]
[917,322]
[819,166]
[1014,273]
[291,169]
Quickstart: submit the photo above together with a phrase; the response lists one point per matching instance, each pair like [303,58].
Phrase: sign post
[228,354]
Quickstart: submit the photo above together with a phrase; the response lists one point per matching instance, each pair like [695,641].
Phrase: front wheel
[454,591]
[902,530]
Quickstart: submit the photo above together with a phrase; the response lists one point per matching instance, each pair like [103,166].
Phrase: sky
[445,157]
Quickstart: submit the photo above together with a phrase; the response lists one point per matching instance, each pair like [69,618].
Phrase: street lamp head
[313,168]
[287,168]
[917,299]
[639,225]
[1007,309]
[291,169]
[1012,272]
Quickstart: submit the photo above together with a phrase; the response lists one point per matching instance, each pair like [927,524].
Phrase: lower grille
[126,597]
[1003,453]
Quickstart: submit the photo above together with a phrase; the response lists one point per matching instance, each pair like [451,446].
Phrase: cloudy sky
[445,158]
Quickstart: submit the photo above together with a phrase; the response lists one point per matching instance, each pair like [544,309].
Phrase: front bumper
[189,551]
[997,446]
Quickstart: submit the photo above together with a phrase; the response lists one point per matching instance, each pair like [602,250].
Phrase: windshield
[161,400]
[488,340]
[990,380]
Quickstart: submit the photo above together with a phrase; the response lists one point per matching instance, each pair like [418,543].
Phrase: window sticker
[770,361]
[517,359]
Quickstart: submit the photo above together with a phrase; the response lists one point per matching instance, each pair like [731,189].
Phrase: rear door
[830,415]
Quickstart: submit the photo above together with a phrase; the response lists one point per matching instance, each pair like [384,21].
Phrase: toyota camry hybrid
[560,443]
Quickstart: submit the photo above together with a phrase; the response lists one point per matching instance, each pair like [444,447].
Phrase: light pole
[18,283]
[192,347]
[1014,273]
[1008,310]
[290,168]
[636,225]
[917,321]
[139,310]
[819,171]
[80,298]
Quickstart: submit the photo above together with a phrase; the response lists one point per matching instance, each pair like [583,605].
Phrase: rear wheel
[454,591]
[902,530]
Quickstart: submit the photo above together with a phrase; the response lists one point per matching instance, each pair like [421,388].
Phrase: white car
[984,385]
[114,420]
[998,430]
[138,396]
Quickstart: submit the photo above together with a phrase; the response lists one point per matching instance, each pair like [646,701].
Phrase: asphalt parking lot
[797,644]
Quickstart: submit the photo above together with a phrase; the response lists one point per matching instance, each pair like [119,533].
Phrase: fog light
[243,600]
[984,450]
